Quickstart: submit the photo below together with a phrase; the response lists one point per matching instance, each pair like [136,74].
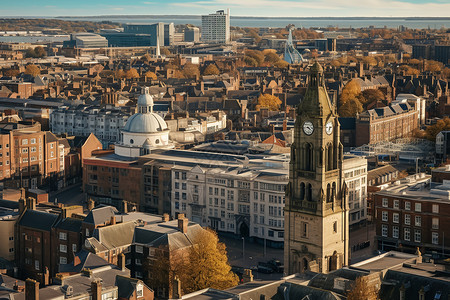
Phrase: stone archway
[244,231]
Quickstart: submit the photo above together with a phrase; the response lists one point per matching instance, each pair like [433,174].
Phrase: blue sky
[291,8]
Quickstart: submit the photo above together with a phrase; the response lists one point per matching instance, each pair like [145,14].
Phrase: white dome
[145,123]
[145,99]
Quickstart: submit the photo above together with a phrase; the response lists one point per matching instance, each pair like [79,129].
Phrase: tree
[271,57]
[370,60]
[432,130]
[151,75]
[12,72]
[131,73]
[250,61]
[165,51]
[446,73]
[208,265]
[350,91]
[281,64]
[146,57]
[32,70]
[39,52]
[350,108]
[255,36]
[434,66]
[362,290]
[191,70]
[211,69]
[372,95]
[257,55]
[119,74]
[268,101]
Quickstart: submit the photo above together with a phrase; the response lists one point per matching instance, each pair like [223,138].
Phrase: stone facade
[316,212]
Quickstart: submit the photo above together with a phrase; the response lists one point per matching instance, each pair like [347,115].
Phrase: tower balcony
[303,205]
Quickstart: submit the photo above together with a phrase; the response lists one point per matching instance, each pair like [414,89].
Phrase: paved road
[69,196]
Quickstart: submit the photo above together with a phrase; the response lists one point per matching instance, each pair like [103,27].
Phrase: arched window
[333,191]
[328,193]
[309,157]
[330,157]
[302,191]
[131,141]
[309,192]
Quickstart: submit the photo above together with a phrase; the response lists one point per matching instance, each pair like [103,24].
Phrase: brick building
[30,157]
[411,214]
[386,124]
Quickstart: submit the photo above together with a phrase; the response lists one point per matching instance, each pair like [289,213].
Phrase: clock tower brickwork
[316,211]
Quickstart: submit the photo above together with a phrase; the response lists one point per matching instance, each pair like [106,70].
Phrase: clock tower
[316,212]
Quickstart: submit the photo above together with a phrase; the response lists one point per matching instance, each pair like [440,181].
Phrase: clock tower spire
[316,212]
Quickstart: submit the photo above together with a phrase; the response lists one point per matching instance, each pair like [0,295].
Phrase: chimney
[247,276]
[96,289]
[284,125]
[121,261]
[182,223]
[113,220]
[165,217]
[176,288]
[31,203]
[125,207]
[91,204]
[31,289]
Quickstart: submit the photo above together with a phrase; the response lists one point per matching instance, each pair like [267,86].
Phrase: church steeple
[316,213]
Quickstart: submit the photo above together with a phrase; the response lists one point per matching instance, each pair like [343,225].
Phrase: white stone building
[216,27]
[354,170]
[105,123]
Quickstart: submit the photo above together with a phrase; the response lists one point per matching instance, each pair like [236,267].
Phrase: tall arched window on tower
[308,157]
[309,192]
[302,191]
[328,193]
[330,157]
[333,191]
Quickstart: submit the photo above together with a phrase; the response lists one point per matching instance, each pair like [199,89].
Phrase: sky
[267,8]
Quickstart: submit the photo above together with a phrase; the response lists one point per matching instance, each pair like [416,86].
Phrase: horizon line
[231,16]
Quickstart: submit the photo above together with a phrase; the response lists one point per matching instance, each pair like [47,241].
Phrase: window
[87,231]
[418,221]
[396,204]
[407,205]
[177,175]
[63,236]
[270,232]
[435,238]
[63,248]
[384,216]
[395,217]
[418,207]
[138,262]
[335,227]
[384,230]
[407,219]
[33,141]
[407,234]
[385,202]
[36,264]
[25,142]
[435,208]
[435,223]
[139,249]
[62,260]
[74,248]
[417,235]
[305,229]
[395,232]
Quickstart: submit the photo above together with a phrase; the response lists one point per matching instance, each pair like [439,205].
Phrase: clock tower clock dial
[308,128]
[329,128]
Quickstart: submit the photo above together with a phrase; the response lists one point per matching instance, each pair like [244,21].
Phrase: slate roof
[38,220]
[294,291]
[117,235]
[127,286]
[69,224]
[88,260]
[100,215]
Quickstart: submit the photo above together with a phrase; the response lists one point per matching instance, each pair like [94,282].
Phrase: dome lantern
[145,102]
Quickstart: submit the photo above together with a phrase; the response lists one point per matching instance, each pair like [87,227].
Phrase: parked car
[264,268]
[276,265]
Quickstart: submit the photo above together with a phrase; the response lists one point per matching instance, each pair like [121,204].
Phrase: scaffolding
[410,149]
[291,55]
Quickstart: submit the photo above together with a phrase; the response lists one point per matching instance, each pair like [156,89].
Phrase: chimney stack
[46,276]
[113,220]
[165,217]
[31,203]
[91,204]
[121,261]
[31,289]
[125,207]
[182,223]
[96,289]
[176,288]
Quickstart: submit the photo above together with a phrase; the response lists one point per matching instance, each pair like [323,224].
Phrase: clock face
[308,128]
[329,127]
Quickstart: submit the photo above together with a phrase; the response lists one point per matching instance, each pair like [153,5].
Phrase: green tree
[211,69]
[269,101]
[32,70]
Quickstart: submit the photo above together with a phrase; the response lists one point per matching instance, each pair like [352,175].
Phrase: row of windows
[407,205]
[407,219]
[407,234]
